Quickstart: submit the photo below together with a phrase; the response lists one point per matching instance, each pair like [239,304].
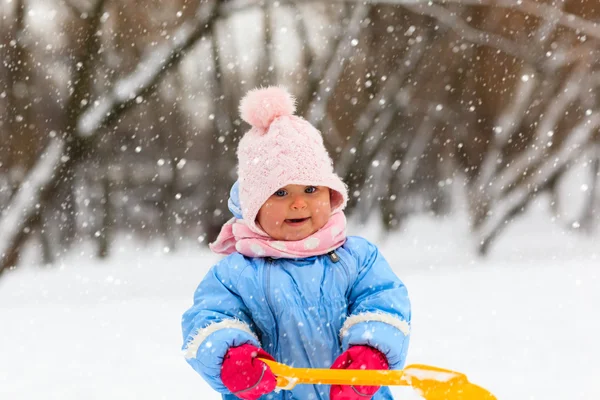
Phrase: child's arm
[217,321]
[379,308]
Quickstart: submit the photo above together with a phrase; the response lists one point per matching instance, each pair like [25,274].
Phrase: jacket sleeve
[378,306]
[218,320]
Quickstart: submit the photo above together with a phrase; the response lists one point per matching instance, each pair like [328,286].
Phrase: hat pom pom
[260,107]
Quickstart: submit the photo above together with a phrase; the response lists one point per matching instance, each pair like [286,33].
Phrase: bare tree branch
[519,197]
[508,121]
[540,10]
[544,132]
[471,34]
[387,96]
[390,89]
[417,147]
[27,197]
[147,73]
[547,27]
[318,106]
[73,8]
[543,11]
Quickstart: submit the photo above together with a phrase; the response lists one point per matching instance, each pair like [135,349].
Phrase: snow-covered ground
[523,323]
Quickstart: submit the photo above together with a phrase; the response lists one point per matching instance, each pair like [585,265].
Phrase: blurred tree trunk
[21,123]
[170,137]
[221,158]
[267,71]
[105,234]
[589,216]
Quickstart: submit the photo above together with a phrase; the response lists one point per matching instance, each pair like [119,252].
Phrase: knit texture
[280,149]
[237,236]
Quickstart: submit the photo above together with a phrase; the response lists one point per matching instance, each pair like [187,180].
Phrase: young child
[293,287]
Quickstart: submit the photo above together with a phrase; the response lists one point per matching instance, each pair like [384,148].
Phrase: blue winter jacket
[304,312]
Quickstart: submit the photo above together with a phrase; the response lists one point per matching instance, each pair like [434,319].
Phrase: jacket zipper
[346,269]
[267,297]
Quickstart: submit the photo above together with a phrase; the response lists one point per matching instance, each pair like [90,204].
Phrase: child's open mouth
[296,221]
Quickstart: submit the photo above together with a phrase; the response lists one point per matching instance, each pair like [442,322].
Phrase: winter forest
[121,116]
[467,132]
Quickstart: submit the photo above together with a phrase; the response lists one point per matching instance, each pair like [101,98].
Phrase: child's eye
[310,189]
[280,193]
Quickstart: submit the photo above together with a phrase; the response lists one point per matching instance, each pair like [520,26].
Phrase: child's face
[295,212]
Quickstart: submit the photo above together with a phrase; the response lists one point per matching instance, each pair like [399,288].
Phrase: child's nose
[298,203]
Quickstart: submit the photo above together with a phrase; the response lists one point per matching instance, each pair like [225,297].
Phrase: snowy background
[522,323]
[122,116]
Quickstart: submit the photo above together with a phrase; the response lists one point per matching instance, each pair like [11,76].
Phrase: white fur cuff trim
[196,340]
[389,319]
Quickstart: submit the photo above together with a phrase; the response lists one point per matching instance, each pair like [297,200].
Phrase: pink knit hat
[280,149]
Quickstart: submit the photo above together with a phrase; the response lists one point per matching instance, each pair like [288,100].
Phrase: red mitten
[247,377]
[357,357]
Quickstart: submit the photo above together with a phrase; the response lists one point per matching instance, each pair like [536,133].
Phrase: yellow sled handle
[289,377]
[432,383]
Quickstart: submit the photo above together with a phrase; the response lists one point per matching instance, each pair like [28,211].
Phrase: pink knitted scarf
[237,236]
